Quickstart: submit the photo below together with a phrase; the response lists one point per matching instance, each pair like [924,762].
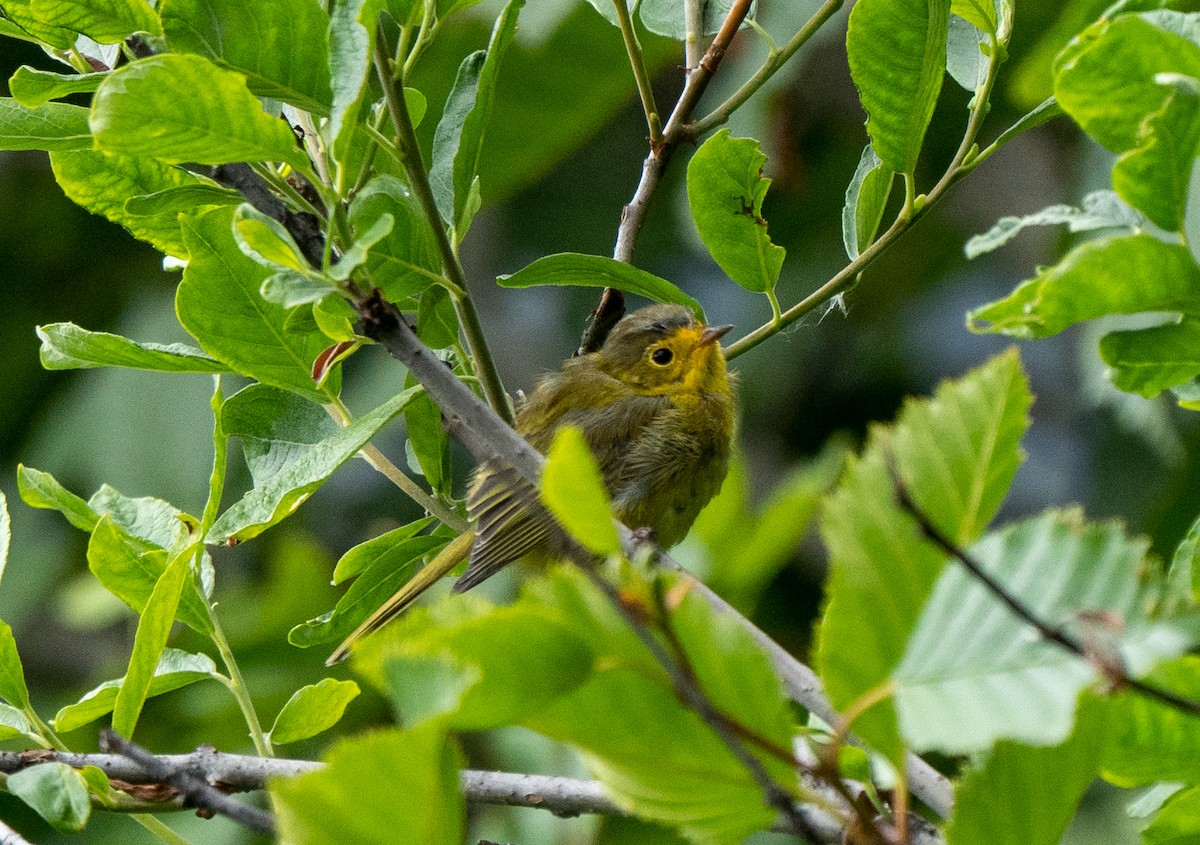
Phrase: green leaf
[958,452]
[355,794]
[428,440]
[512,662]
[1148,361]
[20,12]
[53,126]
[866,197]
[175,670]
[362,556]
[1026,796]
[312,710]
[102,182]
[666,765]
[32,87]
[56,791]
[356,253]
[391,568]
[666,17]
[183,108]
[973,672]
[105,21]
[276,496]
[246,332]
[279,45]
[725,189]
[596,271]
[265,240]
[351,40]
[16,725]
[574,492]
[897,53]
[437,319]
[1177,823]
[1105,79]
[41,490]
[1099,210]
[458,142]
[152,520]
[1114,275]
[148,643]
[424,687]
[1154,176]
[130,568]
[979,13]
[181,199]
[967,53]
[1150,742]
[12,676]
[288,288]
[407,260]
[66,346]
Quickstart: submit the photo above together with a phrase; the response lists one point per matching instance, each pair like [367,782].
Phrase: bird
[655,405]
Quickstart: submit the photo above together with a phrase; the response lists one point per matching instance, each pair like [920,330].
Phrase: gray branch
[8,836]
[562,796]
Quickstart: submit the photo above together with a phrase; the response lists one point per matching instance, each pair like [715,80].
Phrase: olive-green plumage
[655,406]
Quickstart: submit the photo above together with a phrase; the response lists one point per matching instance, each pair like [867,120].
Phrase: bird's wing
[510,521]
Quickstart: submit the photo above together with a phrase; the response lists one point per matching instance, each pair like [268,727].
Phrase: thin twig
[418,177]
[196,792]
[491,438]
[690,694]
[640,74]
[1056,634]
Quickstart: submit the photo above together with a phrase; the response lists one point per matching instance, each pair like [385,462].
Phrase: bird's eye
[662,356]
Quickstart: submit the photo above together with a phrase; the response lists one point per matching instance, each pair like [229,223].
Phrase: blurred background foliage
[563,155]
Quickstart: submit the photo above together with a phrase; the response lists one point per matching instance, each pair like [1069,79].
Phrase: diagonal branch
[1056,634]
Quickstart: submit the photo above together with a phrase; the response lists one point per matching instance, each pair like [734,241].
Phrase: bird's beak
[712,334]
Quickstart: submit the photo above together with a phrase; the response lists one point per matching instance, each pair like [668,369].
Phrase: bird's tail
[446,560]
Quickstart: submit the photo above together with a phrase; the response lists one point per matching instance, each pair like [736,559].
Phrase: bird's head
[664,349]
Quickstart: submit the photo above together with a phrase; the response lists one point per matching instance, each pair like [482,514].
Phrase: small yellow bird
[655,405]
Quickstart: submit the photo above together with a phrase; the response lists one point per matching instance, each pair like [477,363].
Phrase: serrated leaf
[958,451]
[458,141]
[175,670]
[52,126]
[1114,275]
[1105,80]
[725,189]
[356,792]
[153,628]
[12,676]
[574,492]
[1148,361]
[312,710]
[973,672]
[32,87]
[1154,176]
[596,271]
[40,489]
[183,108]
[102,182]
[897,53]
[104,21]
[280,45]
[66,346]
[129,569]
[277,496]
[245,332]
[1150,742]
[406,260]
[1026,796]
[866,197]
[1099,210]
[56,791]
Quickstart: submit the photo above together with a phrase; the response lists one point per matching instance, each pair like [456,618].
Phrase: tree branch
[196,792]
[1109,665]
[8,836]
